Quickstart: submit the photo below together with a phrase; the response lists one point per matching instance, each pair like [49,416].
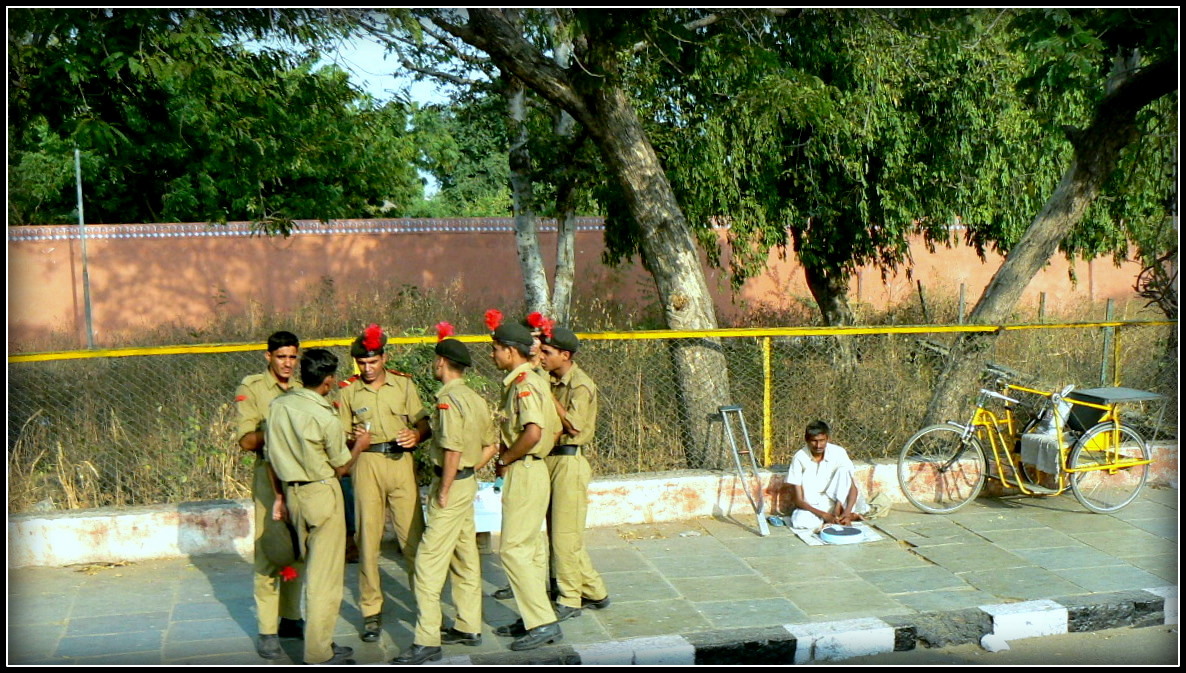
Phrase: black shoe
[515,630]
[591,604]
[371,628]
[538,637]
[504,594]
[451,636]
[291,628]
[564,612]
[418,654]
[268,646]
[341,656]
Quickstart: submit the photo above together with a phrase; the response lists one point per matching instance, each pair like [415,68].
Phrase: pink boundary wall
[152,274]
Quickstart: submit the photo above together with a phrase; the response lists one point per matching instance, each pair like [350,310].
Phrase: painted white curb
[834,641]
[1028,619]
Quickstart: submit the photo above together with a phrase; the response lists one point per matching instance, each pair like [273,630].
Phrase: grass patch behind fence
[157,429]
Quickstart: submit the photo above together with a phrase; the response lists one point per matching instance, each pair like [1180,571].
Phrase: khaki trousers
[449,548]
[525,492]
[575,576]
[274,598]
[318,512]
[384,483]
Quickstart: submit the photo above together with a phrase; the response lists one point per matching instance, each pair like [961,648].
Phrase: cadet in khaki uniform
[579,584]
[382,407]
[463,440]
[529,425]
[308,451]
[277,604]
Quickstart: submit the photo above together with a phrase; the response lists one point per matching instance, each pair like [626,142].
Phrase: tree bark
[535,279]
[1096,152]
[830,289]
[593,97]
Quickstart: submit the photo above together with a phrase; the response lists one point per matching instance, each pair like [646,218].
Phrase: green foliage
[464,147]
[178,121]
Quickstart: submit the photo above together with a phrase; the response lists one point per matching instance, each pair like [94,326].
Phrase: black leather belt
[565,450]
[303,483]
[387,447]
[461,474]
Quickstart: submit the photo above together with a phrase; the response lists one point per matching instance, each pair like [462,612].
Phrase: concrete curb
[63,538]
[835,641]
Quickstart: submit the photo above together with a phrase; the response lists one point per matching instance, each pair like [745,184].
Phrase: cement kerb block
[662,651]
[834,641]
[1028,619]
[461,660]
[1170,594]
[616,653]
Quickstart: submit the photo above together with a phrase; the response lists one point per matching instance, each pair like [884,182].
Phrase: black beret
[370,343]
[512,333]
[454,350]
[564,339]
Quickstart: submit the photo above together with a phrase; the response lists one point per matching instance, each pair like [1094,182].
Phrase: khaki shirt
[305,441]
[460,422]
[577,394]
[527,398]
[393,407]
[252,398]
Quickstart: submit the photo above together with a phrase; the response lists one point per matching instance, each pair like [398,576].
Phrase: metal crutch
[758,501]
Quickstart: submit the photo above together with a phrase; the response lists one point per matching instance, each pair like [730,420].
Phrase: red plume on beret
[444,330]
[371,337]
[536,320]
[493,319]
[546,327]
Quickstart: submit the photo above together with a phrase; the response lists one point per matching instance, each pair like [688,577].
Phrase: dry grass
[144,430]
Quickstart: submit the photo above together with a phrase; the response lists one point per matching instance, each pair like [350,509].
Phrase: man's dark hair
[316,364]
[282,339]
[524,350]
[818,428]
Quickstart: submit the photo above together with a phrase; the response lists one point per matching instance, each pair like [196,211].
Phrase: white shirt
[815,478]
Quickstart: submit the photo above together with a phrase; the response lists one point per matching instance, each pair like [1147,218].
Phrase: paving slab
[1076,555]
[1110,578]
[1040,537]
[970,557]
[927,578]
[1126,542]
[1024,583]
[708,590]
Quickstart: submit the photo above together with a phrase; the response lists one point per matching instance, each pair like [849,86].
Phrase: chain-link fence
[118,430]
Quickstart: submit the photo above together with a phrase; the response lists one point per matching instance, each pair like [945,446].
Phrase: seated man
[821,479]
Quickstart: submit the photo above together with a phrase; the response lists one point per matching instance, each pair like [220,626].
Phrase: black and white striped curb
[838,640]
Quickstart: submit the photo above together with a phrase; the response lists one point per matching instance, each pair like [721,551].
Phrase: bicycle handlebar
[999,396]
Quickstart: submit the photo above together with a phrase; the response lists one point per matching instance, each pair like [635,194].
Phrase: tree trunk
[535,279]
[563,129]
[1096,153]
[565,254]
[668,248]
[829,286]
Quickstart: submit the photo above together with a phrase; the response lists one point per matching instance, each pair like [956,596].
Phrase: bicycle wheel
[940,471]
[1107,490]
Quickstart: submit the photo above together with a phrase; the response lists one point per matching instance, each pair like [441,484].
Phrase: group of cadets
[305,444]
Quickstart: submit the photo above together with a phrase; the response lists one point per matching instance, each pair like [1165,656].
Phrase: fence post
[1042,307]
[767,404]
[1108,338]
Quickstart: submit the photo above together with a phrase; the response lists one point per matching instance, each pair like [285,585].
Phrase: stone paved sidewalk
[694,591]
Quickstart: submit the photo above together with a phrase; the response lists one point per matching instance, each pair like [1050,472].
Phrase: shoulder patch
[521,378]
[240,398]
[337,404]
[442,405]
[398,373]
[344,383]
[525,393]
